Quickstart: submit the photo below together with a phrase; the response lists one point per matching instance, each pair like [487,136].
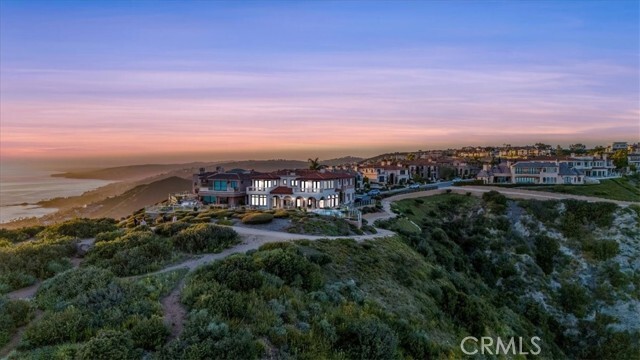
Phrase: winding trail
[252,239]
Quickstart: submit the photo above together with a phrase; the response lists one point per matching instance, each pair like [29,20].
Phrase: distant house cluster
[284,189]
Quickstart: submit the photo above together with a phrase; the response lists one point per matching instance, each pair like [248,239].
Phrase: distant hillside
[342,160]
[131,172]
[139,172]
[137,198]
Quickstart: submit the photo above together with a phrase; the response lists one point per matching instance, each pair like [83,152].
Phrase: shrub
[205,238]
[22,264]
[80,228]
[13,314]
[257,218]
[69,325]
[281,214]
[66,286]
[170,229]
[148,333]
[109,235]
[135,253]
[107,345]
[546,249]
[225,222]
[574,299]
[368,339]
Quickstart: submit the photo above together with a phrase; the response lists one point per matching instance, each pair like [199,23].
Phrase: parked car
[414,186]
[374,192]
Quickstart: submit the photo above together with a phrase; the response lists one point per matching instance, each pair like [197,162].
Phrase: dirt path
[537,195]
[174,312]
[30,291]
[15,339]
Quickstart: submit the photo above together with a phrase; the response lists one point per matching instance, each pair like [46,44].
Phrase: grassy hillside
[138,197]
[130,172]
[565,271]
[625,189]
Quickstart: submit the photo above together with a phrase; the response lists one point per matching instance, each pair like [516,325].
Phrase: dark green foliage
[22,264]
[171,229]
[68,325]
[13,314]
[546,249]
[206,338]
[60,290]
[147,333]
[257,218]
[323,226]
[80,228]
[574,299]
[367,339]
[600,249]
[93,306]
[205,238]
[495,201]
[109,345]
[134,253]
[19,235]
[109,235]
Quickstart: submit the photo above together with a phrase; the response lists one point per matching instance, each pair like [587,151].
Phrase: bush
[13,314]
[205,238]
[171,229]
[80,228]
[69,325]
[109,345]
[135,253]
[257,218]
[109,235]
[22,264]
[281,214]
[368,339]
[574,298]
[148,333]
[60,290]
[546,249]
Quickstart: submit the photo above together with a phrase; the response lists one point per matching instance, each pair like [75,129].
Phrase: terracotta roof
[303,174]
[282,190]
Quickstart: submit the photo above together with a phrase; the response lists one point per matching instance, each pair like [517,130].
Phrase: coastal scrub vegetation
[459,266]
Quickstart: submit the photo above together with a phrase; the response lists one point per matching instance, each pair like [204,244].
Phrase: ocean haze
[22,187]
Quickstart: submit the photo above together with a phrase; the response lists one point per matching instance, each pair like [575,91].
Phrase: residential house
[222,187]
[531,172]
[310,189]
[593,166]
[386,173]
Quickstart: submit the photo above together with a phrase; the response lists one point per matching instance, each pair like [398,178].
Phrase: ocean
[22,187]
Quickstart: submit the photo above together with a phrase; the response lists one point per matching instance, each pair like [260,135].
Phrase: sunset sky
[139,81]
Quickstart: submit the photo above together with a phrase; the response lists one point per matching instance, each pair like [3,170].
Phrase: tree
[620,159]
[578,148]
[314,164]
[447,172]
[598,150]
[411,156]
[542,146]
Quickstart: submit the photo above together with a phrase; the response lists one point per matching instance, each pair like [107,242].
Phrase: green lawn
[625,189]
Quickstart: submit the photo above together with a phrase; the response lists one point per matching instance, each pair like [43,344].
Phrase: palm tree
[314,164]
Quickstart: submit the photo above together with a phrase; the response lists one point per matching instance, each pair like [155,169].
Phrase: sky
[115,82]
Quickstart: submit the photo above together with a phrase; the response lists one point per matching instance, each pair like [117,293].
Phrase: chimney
[201,170]
[486,167]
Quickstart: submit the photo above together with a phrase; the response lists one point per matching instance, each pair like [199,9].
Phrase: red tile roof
[282,190]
